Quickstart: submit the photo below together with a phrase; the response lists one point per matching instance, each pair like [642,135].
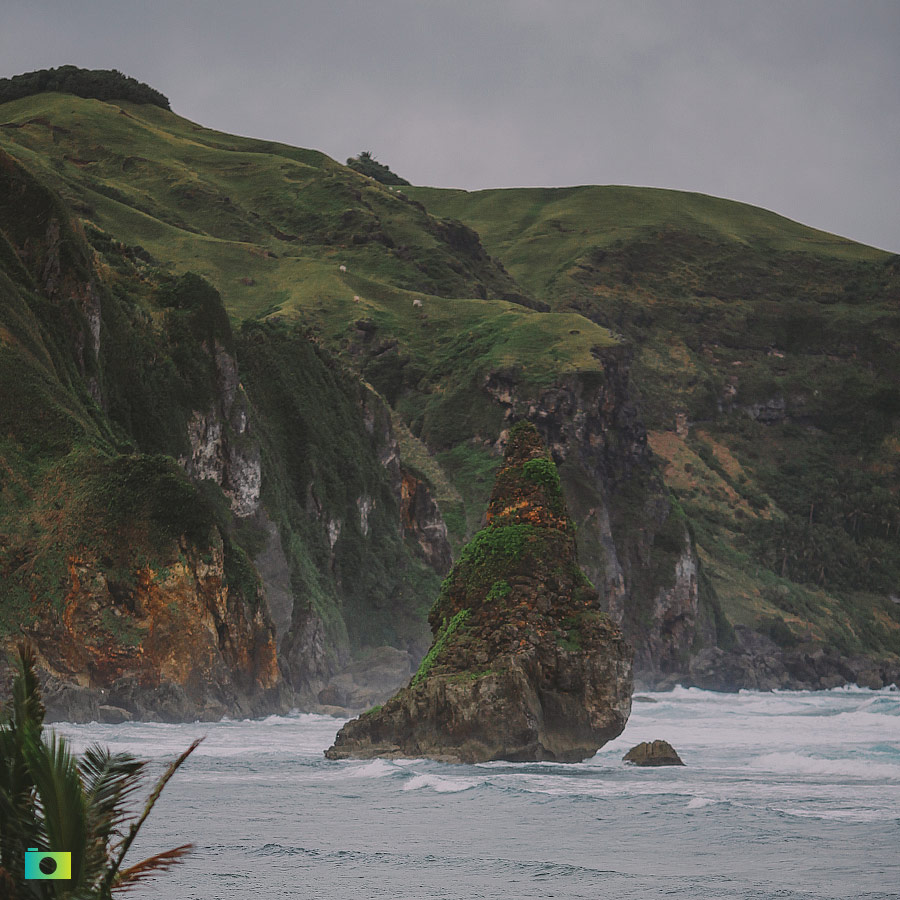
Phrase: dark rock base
[653,753]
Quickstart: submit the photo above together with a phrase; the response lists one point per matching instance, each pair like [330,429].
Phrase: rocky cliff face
[222,447]
[177,644]
[124,577]
[351,540]
[524,665]
[633,541]
[422,521]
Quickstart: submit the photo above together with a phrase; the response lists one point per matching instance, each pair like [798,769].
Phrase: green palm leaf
[61,804]
[109,781]
[51,801]
[116,879]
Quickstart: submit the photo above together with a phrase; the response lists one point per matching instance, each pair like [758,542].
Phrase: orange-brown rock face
[524,663]
[174,643]
[421,519]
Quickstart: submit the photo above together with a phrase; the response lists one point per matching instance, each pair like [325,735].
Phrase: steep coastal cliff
[157,529]
[324,407]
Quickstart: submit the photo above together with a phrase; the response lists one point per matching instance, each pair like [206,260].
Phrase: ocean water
[784,795]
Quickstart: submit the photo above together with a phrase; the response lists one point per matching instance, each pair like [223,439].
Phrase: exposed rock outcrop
[756,662]
[633,541]
[174,645]
[222,447]
[422,520]
[525,665]
[653,753]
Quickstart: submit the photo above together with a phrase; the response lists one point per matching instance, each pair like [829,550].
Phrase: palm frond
[22,724]
[126,879]
[48,799]
[28,710]
[123,848]
[109,780]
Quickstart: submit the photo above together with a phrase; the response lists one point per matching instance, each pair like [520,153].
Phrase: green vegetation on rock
[444,636]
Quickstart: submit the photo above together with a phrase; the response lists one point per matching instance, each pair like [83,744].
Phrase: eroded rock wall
[632,541]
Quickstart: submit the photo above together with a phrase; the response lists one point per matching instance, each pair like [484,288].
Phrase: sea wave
[846,767]
[440,784]
[701,802]
[840,815]
[376,768]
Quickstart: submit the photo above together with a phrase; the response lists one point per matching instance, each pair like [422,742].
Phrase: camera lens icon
[40,864]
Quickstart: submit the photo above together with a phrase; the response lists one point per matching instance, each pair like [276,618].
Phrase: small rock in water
[113,715]
[655,753]
[640,698]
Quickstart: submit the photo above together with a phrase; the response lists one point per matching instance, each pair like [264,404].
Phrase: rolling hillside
[719,385]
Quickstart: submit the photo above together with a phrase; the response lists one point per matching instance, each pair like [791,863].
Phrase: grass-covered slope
[241,210]
[287,232]
[766,354]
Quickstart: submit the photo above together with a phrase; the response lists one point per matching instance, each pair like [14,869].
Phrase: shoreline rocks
[653,753]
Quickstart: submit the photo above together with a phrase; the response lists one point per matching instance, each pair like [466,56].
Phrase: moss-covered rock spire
[524,664]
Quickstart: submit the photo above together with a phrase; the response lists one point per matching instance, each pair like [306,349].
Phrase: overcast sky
[793,105]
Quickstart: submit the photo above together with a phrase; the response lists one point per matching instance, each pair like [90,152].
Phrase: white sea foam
[701,802]
[376,768]
[847,767]
[440,784]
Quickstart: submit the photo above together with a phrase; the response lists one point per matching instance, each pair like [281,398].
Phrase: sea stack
[524,664]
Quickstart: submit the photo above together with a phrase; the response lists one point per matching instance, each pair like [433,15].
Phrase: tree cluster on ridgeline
[366,164]
[96,84]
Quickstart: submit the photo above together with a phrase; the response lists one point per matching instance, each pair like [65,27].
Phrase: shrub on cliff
[366,164]
[98,84]
[51,801]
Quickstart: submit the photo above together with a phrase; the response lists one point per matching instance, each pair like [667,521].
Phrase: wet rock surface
[653,753]
[178,645]
[524,664]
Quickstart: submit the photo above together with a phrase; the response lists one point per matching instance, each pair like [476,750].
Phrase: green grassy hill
[760,354]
